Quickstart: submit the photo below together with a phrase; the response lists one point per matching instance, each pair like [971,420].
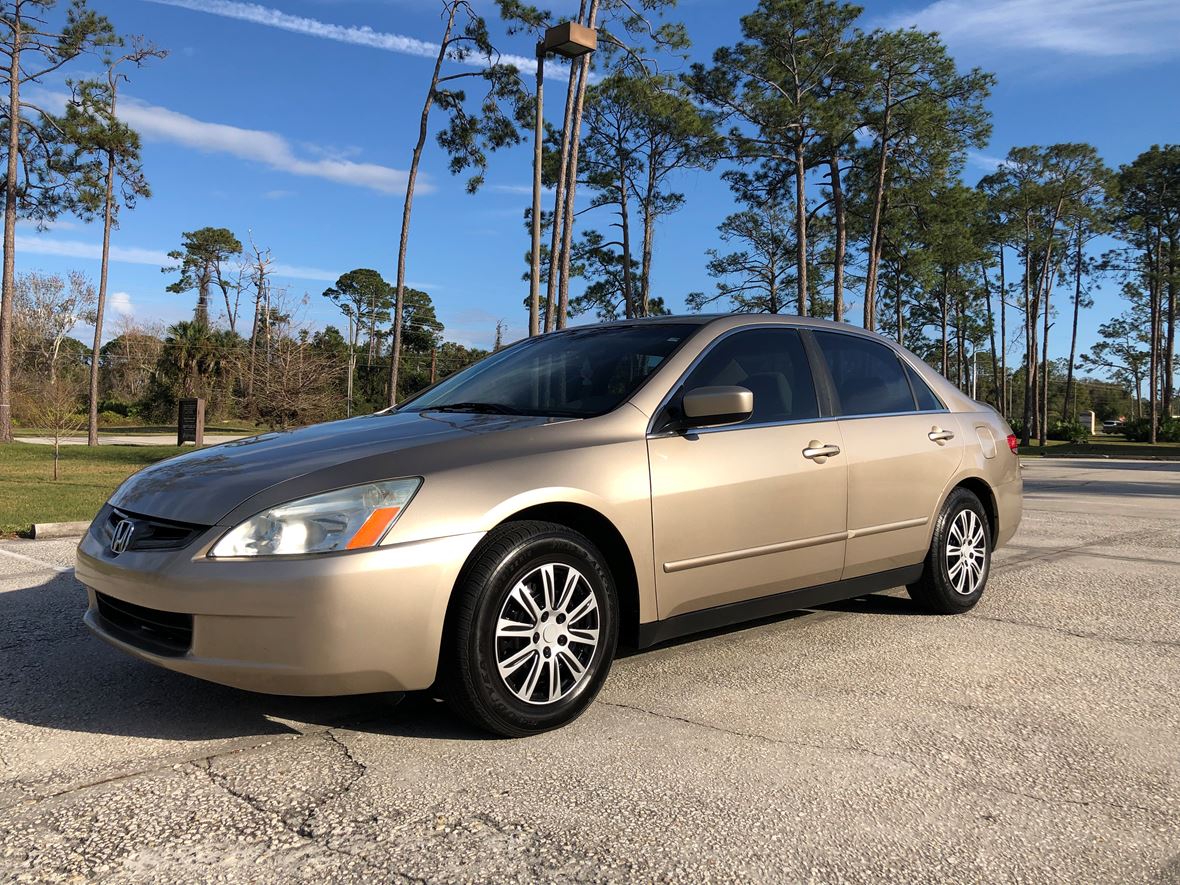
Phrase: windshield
[577,373]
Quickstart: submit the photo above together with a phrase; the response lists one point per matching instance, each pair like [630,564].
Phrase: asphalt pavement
[1036,739]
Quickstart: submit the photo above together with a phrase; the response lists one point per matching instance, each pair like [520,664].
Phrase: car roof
[702,319]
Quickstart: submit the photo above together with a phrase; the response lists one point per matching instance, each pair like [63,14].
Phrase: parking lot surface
[1035,739]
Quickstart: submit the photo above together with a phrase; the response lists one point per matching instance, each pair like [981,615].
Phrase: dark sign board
[190,426]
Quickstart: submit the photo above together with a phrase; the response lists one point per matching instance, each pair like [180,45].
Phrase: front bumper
[347,623]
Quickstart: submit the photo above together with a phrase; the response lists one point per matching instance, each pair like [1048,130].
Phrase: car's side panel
[1001,473]
[739,513]
[896,477]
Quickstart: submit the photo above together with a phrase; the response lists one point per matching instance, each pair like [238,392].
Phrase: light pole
[569,40]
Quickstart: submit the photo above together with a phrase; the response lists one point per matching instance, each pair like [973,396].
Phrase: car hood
[204,486]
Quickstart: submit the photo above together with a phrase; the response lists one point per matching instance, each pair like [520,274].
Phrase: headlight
[346,519]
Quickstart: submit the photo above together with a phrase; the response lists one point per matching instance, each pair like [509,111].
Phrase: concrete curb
[42,530]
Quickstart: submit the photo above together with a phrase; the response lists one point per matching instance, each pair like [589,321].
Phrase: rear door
[739,511]
[902,447]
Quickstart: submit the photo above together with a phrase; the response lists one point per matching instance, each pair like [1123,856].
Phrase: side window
[927,401]
[771,363]
[869,377]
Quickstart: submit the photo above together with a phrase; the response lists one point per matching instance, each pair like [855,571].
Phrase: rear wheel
[959,559]
[534,630]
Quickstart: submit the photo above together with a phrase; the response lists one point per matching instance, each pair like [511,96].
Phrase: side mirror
[710,406]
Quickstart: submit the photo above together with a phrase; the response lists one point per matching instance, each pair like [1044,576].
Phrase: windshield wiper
[482,408]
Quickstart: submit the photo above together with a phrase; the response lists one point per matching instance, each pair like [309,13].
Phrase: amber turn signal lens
[373,528]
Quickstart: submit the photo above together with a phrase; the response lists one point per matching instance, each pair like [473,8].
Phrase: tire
[509,636]
[952,582]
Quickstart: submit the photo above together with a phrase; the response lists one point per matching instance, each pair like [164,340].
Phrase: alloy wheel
[547,633]
[966,552]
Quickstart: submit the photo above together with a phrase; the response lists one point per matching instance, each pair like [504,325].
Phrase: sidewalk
[131,439]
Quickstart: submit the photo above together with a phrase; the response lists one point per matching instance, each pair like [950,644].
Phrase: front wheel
[959,559]
[534,629]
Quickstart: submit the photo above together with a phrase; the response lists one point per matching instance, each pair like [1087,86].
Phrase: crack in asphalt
[982,785]
[753,735]
[160,765]
[1077,634]
[1046,554]
[359,770]
[302,828]
[1062,800]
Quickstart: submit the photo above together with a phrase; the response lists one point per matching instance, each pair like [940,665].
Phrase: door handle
[818,452]
[937,434]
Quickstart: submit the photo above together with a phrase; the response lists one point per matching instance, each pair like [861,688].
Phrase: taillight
[1013,443]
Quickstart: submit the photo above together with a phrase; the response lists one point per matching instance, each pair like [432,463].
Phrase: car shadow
[57,675]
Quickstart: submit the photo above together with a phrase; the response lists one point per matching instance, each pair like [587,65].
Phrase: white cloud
[120,303]
[1094,28]
[525,189]
[985,161]
[34,245]
[257,145]
[304,273]
[56,224]
[80,249]
[363,35]
[277,194]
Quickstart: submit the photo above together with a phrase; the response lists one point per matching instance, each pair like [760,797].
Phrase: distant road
[134,439]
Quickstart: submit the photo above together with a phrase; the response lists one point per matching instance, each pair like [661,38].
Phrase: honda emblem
[122,536]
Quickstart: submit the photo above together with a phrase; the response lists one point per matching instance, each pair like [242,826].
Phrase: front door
[740,511]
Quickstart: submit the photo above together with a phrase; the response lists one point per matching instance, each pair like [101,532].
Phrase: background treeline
[846,152]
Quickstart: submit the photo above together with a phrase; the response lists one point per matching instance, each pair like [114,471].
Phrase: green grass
[29,494]
[1104,445]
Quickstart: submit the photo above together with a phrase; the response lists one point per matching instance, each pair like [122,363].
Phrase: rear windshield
[578,373]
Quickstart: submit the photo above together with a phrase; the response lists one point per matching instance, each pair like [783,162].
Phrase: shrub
[1138,430]
[1069,431]
[115,407]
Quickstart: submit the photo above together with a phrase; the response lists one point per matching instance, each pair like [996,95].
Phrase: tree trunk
[10,193]
[571,188]
[535,222]
[649,232]
[399,301]
[801,226]
[624,222]
[1153,295]
[991,325]
[107,219]
[1030,325]
[942,310]
[1170,334]
[1067,413]
[559,202]
[1004,407]
[1044,420]
[874,255]
[841,244]
[897,306]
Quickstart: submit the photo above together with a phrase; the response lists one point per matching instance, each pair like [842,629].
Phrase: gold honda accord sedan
[498,534]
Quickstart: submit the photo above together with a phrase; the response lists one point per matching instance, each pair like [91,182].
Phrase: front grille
[149,533]
[158,632]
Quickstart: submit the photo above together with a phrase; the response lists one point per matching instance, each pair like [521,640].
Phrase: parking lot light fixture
[570,40]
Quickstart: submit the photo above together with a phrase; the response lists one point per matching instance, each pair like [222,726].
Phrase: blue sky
[293,120]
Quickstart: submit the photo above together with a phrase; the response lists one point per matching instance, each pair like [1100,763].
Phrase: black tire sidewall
[494,702]
[960,500]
